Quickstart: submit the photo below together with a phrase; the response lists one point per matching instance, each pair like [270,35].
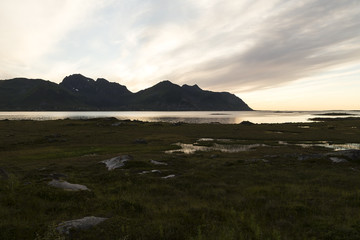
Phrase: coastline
[223,117]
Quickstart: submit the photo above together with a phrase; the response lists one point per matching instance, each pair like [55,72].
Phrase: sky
[273,54]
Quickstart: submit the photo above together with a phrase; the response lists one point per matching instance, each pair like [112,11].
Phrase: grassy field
[274,191]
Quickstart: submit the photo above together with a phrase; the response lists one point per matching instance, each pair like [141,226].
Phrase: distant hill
[79,93]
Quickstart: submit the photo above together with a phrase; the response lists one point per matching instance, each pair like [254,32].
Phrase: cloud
[31,29]
[292,42]
[221,45]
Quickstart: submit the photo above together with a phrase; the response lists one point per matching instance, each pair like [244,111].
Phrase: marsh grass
[229,196]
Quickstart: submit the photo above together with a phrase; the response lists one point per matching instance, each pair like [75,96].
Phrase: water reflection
[233,148]
[335,147]
[212,140]
[226,117]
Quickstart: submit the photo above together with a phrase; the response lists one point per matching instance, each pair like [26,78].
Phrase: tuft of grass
[50,234]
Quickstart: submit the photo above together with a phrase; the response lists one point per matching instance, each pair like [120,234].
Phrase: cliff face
[77,92]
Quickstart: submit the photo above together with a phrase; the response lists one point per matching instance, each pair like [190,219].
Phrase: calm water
[189,117]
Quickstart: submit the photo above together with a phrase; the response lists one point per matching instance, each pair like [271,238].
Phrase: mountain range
[79,93]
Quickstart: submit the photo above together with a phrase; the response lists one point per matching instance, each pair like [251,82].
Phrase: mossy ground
[213,196]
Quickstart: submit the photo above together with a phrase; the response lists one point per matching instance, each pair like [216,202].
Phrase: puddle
[205,140]
[335,147]
[303,126]
[213,140]
[192,148]
[278,132]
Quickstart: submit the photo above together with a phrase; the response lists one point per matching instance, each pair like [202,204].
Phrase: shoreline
[224,117]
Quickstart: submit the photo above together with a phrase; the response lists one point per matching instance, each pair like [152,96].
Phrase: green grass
[229,196]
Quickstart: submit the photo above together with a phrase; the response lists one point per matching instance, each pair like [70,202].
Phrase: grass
[214,195]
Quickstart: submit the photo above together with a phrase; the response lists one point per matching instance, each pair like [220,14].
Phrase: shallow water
[335,147]
[230,117]
[233,148]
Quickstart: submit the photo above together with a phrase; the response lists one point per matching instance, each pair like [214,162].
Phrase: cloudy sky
[274,54]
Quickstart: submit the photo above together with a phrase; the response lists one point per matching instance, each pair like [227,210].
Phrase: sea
[223,117]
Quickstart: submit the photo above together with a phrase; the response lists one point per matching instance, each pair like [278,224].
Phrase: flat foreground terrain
[244,181]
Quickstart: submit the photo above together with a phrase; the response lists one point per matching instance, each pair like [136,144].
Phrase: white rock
[83,223]
[169,176]
[337,160]
[152,171]
[157,163]
[116,162]
[68,186]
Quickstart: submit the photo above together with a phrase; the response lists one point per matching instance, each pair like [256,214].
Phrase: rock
[349,154]
[304,157]
[90,155]
[67,186]
[152,171]
[83,224]
[169,176]
[57,176]
[157,163]
[246,123]
[271,156]
[254,160]
[55,138]
[3,174]
[337,160]
[214,156]
[140,141]
[116,162]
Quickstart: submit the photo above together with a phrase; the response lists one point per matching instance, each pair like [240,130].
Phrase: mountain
[168,96]
[77,92]
[100,94]
[22,94]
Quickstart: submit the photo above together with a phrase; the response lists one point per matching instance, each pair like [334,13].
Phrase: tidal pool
[335,147]
[229,148]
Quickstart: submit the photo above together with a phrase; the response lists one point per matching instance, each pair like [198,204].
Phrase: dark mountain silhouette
[35,94]
[100,94]
[77,92]
[167,96]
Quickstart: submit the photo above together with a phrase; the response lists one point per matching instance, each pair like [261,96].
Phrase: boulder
[246,123]
[157,163]
[337,160]
[152,171]
[83,224]
[169,176]
[67,186]
[57,176]
[140,141]
[116,162]
[349,154]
